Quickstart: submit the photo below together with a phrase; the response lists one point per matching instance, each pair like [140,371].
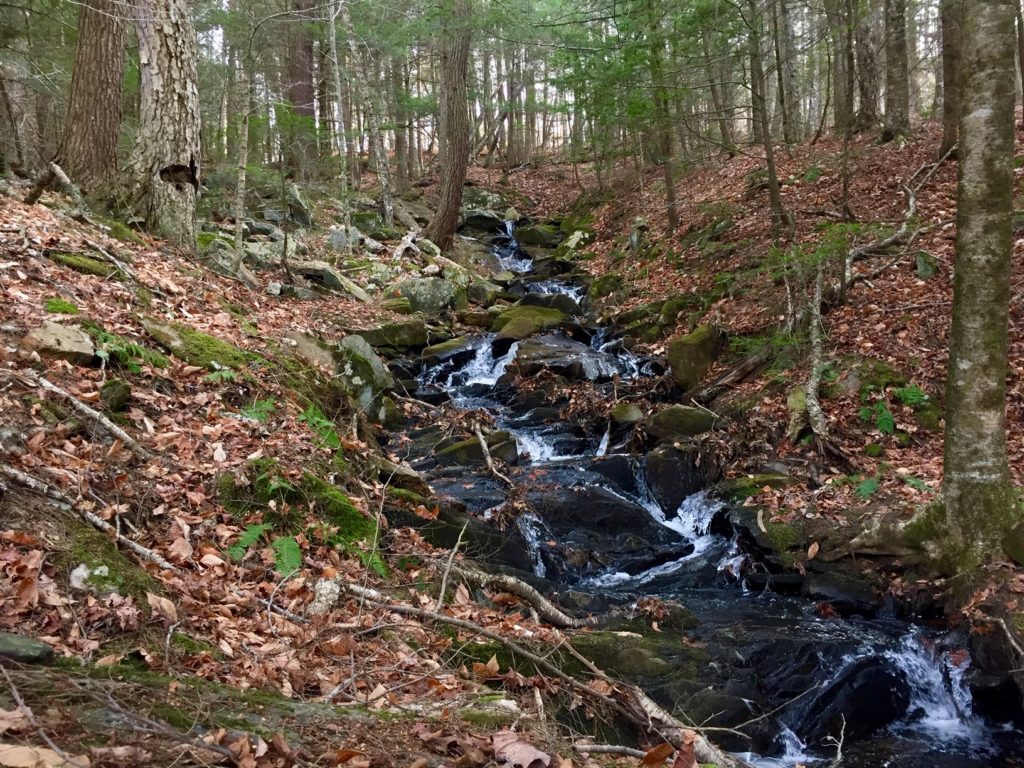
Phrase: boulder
[363,374]
[397,304]
[626,415]
[411,333]
[66,342]
[482,220]
[24,650]
[484,292]
[329,277]
[477,318]
[311,349]
[559,301]
[679,421]
[521,322]
[501,445]
[690,357]
[430,295]
[264,228]
[673,474]
[564,357]
[298,208]
[605,285]
[543,235]
[115,394]
[456,351]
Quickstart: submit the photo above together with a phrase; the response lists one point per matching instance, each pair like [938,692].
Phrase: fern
[912,396]
[224,374]
[287,555]
[112,348]
[260,410]
[321,426]
[867,487]
[882,417]
[251,535]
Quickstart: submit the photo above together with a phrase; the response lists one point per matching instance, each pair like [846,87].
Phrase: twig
[64,502]
[20,702]
[838,742]
[608,749]
[448,568]
[487,456]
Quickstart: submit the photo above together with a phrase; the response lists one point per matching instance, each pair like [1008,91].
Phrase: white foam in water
[534,532]
[574,292]
[602,449]
[537,446]
[794,752]
[508,255]
[941,706]
[483,368]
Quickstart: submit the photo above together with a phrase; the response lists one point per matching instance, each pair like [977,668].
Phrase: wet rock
[500,444]
[690,357]
[115,394]
[520,322]
[24,650]
[397,304]
[411,333]
[543,235]
[329,277]
[564,357]
[847,594]
[558,301]
[456,351]
[476,318]
[65,342]
[619,470]
[484,292]
[482,220]
[626,415]
[673,474]
[430,295]
[679,421]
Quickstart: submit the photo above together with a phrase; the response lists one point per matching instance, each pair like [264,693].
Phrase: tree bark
[977,493]
[455,123]
[300,132]
[88,149]
[664,121]
[897,77]
[867,51]
[952,19]
[166,158]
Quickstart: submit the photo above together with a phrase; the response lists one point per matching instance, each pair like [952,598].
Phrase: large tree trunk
[88,150]
[664,120]
[300,132]
[867,51]
[977,493]
[455,124]
[952,51]
[897,79]
[841,36]
[165,162]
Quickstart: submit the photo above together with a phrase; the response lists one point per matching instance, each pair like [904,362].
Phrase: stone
[559,301]
[476,318]
[543,235]
[431,270]
[482,220]
[484,292]
[457,351]
[626,415]
[310,348]
[564,357]
[24,650]
[263,255]
[428,247]
[363,373]
[274,288]
[1013,544]
[500,444]
[605,285]
[679,421]
[324,273]
[690,357]
[264,228]
[926,265]
[344,238]
[673,474]
[505,278]
[273,214]
[298,208]
[430,295]
[397,304]
[196,347]
[399,475]
[521,322]
[115,395]
[404,335]
[66,342]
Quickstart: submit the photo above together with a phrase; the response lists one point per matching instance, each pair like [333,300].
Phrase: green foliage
[58,306]
[321,426]
[813,173]
[867,487]
[221,376]
[881,416]
[259,410]
[287,555]
[917,484]
[912,396]
[250,536]
[127,354]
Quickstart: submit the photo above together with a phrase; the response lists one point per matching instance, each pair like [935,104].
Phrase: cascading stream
[931,722]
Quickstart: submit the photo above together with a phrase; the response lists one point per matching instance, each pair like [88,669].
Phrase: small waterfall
[509,255]
[534,531]
[484,368]
[573,291]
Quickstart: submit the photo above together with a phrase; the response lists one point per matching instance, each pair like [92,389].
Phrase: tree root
[487,457]
[54,173]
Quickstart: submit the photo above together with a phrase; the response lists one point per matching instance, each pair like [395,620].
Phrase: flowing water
[893,693]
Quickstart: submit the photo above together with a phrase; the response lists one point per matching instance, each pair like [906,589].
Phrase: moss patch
[198,348]
[86,265]
[57,306]
[89,546]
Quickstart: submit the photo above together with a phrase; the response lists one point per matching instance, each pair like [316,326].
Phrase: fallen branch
[90,413]
[407,244]
[608,749]
[487,457]
[54,173]
[66,504]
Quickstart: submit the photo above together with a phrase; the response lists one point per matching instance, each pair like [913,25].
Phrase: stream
[789,674]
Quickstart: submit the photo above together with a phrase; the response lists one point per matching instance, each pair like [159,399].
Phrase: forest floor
[212,659]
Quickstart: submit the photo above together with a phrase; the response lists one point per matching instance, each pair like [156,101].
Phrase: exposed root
[487,457]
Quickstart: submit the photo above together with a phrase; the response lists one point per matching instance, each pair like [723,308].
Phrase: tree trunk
[88,150]
[300,130]
[664,121]
[841,36]
[867,50]
[455,124]
[952,18]
[897,85]
[977,493]
[165,162]
[757,89]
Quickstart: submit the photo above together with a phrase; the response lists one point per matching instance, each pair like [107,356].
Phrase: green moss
[57,306]
[198,348]
[520,322]
[605,285]
[784,537]
[205,239]
[877,376]
[86,265]
[742,488]
[929,416]
[89,546]
[124,233]
[491,719]
[873,450]
[404,494]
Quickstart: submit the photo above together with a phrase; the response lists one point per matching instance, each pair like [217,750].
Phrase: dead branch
[608,749]
[487,457]
[407,244]
[30,716]
[54,173]
[65,503]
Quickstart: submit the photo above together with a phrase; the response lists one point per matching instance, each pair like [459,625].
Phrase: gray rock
[690,357]
[431,270]
[25,650]
[564,357]
[115,395]
[672,474]
[273,214]
[310,348]
[363,373]
[679,421]
[67,342]
[298,208]
[264,228]
[411,333]
[558,301]
[274,289]
[324,273]
[484,292]
[482,220]
[428,294]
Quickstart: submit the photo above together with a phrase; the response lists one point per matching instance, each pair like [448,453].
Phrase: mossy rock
[543,235]
[679,421]
[121,231]
[874,451]
[86,265]
[94,549]
[626,415]
[521,322]
[197,348]
[929,416]
[400,305]
[412,333]
[501,445]
[690,357]
[207,240]
[457,350]
[739,489]
[115,395]
[605,285]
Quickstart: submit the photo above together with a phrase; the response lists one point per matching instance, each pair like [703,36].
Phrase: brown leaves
[657,755]
[511,750]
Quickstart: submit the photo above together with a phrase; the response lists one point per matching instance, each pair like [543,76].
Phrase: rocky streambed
[786,663]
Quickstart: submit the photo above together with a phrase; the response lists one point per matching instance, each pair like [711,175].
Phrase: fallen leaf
[510,750]
[162,607]
[812,550]
[658,755]
[15,756]
[685,757]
